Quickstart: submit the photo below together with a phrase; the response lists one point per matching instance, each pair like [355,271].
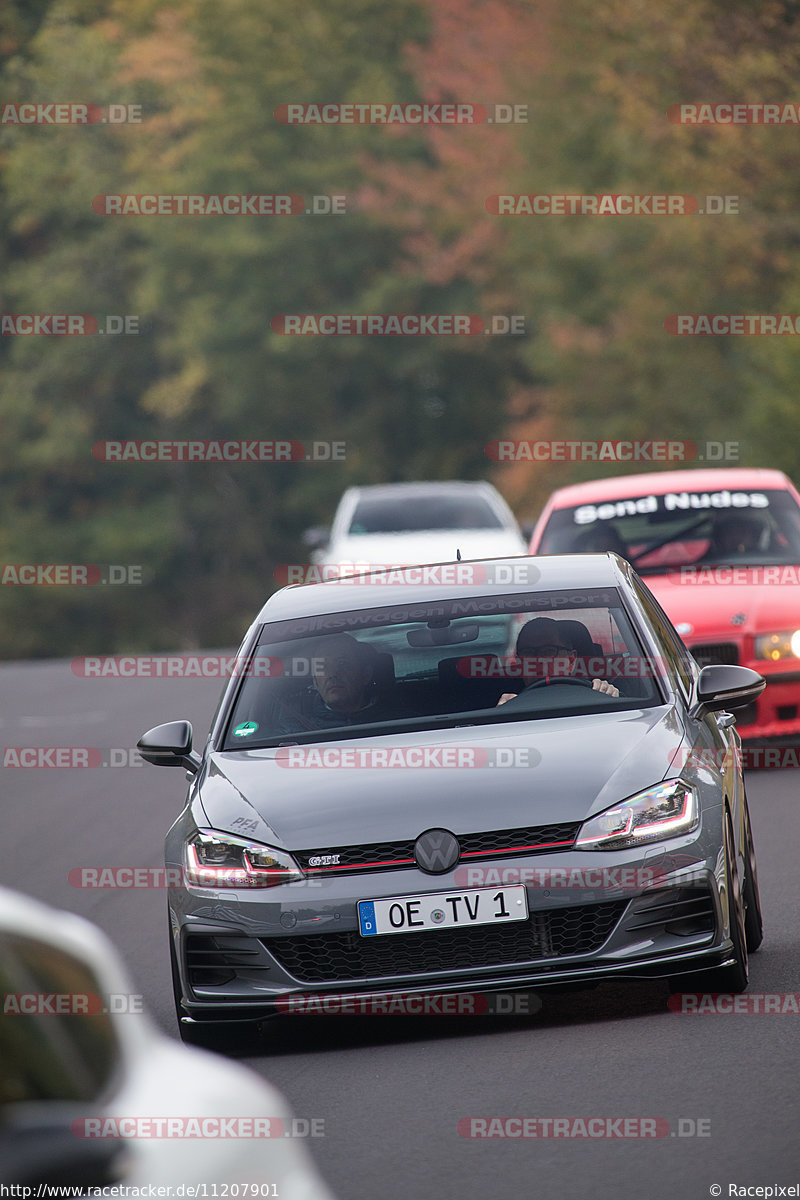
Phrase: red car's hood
[763,603]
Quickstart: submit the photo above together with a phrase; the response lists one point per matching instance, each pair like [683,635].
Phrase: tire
[753,923]
[732,979]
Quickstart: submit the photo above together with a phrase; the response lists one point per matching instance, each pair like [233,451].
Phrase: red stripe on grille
[516,849]
[401,862]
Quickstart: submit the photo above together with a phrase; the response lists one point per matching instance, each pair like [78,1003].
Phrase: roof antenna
[458,554]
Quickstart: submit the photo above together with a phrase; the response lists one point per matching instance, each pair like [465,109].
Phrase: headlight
[776,646]
[665,811]
[218,860]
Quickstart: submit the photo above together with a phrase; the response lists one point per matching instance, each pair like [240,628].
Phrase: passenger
[543,639]
[599,538]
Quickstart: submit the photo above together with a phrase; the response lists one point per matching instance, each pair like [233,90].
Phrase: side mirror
[722,686]
[170,745]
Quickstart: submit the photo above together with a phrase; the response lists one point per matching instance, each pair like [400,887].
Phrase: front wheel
[733,978]
[753,924]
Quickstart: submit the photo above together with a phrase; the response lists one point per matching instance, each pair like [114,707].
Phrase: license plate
[442,910]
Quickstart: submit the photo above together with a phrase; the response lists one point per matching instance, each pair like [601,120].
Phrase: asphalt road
[392,1090]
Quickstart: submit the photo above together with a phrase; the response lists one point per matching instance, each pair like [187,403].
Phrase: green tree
[206,363]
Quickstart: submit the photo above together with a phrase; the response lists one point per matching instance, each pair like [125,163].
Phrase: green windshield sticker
[245,729]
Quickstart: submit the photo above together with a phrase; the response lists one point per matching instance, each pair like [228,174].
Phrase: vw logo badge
[436,851]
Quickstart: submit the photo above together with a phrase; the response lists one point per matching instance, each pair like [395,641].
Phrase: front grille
[214,960]
[554,933]
[712,653]
[381,856]
[683,912]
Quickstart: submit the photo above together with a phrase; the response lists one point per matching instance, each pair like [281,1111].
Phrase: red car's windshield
[659,533]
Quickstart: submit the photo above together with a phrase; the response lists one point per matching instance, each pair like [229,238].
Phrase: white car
[407,524]
[87,1083]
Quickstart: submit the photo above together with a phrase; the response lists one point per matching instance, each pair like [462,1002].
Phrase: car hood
[577,766]
[712,597]
[432,546]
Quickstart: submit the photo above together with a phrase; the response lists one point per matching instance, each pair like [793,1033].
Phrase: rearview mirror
[447,635]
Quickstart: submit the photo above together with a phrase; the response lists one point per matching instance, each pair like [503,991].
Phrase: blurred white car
[87,1083]
[407,524]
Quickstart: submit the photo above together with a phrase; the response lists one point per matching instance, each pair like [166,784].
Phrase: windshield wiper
[673,537]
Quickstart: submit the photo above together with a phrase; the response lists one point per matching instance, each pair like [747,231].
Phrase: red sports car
[720,549]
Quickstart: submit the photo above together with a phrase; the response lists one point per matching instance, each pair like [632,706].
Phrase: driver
[735,535]
[542,638]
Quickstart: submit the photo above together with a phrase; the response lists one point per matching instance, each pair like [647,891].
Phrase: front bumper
[244,956]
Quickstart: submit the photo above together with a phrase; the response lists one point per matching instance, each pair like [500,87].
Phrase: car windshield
[659,533]
[413,514]
[52,1054]
[470,661]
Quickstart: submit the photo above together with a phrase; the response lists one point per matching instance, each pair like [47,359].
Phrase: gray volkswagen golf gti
[468,778]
